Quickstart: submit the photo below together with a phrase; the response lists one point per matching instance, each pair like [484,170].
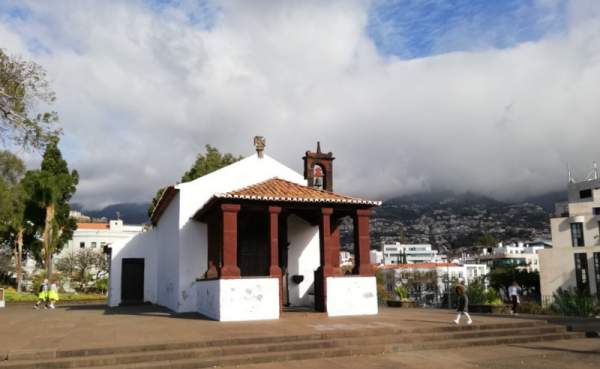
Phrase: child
[463,305]
[53,294]
[42,295]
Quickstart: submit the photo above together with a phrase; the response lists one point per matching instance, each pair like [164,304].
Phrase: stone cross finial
[259,144]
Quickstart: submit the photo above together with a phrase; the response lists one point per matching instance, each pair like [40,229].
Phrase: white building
[574,259]
[376,257]
[398,253]
[443,273]
[521,255]
[96,236]
[245,241]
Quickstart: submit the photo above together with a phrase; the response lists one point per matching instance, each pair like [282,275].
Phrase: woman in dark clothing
[463,305]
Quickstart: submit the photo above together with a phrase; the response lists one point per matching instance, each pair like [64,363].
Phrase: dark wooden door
[253,243]
[132,281]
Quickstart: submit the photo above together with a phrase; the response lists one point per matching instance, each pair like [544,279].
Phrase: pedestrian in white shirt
[513,294]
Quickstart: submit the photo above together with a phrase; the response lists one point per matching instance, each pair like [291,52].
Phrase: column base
[365,270]
[275,271]
[230,272]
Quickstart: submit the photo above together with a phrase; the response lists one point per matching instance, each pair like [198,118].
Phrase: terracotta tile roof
[93,226]
[276,189]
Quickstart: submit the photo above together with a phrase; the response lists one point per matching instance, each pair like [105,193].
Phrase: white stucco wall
[303,259]
[208,294]
[167,234]
[180,243]
[351,295]
[238,299]
[143,245]
[192,256]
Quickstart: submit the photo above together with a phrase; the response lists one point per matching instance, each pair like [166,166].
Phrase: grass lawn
[10,295]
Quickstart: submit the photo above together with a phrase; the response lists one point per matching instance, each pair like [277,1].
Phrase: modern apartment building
[520,255]
[398,253]
[574,259]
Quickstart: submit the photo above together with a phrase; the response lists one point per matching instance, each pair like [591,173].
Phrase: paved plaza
[571,354]
[76,327]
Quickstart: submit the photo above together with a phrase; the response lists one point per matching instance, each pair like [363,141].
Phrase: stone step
[336,352]
[372,344]
[371,332]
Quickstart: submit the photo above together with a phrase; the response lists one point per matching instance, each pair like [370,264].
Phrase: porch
[276,245]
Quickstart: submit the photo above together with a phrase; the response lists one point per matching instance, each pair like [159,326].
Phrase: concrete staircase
[247,350]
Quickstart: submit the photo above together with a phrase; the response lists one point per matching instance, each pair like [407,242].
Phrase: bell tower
[318,169]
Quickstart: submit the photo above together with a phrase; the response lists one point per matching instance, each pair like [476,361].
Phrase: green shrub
[572,302]
[382,292]
[533,308]
[12,296]
[402,292]
[493,297]
[102,285]
[476,292]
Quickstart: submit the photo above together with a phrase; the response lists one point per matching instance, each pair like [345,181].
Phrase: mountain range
[446,220]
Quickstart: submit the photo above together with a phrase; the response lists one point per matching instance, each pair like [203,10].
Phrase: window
[585,194]
[93,244]
[81,245]
[577,234]
[596,211]
[102,244]
[597,272]
[581,268]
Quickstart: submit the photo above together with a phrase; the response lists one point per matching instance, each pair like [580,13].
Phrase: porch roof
[277,189]
[280,190]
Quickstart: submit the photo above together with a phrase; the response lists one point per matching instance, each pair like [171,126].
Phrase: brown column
[230,268]
[362,240]
[274,269]
[335,249]
[329,264]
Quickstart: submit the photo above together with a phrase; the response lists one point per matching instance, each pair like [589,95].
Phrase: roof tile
[277,189]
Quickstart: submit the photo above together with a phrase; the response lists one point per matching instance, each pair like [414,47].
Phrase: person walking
[42,295]
[513,295]
[53,294]
[463,305]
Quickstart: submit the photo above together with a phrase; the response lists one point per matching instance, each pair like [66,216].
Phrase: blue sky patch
[420,28]
[200,13]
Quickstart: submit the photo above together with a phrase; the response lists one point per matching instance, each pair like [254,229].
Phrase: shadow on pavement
[557,349]
[137,310]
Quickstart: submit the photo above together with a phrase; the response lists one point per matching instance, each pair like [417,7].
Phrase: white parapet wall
[230,300]
[351,296]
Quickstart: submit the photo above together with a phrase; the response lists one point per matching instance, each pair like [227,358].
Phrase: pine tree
[51,188]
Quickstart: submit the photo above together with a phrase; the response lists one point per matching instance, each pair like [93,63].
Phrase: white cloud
[141,91]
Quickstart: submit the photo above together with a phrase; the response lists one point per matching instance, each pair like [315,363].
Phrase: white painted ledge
[351,295]
[230,300]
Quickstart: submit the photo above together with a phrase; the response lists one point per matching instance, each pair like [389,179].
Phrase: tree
[13,200]
[23,87]
[487,240]
[80,265]
[51,188]
[204,164]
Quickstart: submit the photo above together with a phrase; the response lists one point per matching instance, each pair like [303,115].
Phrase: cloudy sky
[494,97]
